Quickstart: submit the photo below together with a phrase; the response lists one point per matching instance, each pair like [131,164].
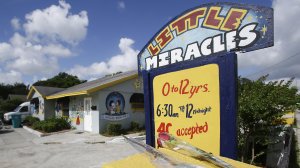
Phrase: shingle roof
[16,96]
[43,90]
[94,85]
[46,91]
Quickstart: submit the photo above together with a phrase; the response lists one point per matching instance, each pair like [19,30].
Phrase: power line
[283,60]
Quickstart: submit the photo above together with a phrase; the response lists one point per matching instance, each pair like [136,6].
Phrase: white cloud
[43,79]
[15,23]
[287,40]
[49,36]
[57,23]
[5,50]
[56,50]
[125,61]
[121,5]
[10,77]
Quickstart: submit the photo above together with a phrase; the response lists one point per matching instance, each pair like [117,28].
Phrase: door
[87,114]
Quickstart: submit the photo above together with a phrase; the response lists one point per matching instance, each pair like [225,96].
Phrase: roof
[95,85]
[16,96]
[44,90]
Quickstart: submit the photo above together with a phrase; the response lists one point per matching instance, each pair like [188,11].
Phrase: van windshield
[18,108]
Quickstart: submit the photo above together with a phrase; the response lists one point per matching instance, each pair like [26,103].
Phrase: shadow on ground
[6,131]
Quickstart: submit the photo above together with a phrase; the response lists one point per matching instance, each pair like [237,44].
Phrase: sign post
[190,71]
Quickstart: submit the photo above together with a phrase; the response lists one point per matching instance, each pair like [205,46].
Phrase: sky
[39,39]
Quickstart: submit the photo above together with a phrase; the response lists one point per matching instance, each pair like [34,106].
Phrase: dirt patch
[101,142]
[26,154]
[51,143]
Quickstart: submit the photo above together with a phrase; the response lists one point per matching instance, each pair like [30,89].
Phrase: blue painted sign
[208,30]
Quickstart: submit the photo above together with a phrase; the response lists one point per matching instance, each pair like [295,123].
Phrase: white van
[23,110]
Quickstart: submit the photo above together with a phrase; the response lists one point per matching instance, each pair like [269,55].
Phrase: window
[137,101]
[24,109]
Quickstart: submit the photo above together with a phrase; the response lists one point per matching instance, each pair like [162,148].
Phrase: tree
[62,80]
[261,105]
[17,88]
[8,105]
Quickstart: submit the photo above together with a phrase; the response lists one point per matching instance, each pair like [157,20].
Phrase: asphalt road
[19,148]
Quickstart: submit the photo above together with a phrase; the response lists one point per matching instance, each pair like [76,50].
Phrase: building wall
[76,111]
[126,89]
[49,108]
[39,112]
[46,108]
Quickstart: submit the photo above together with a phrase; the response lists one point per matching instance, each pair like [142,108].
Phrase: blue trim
[228,91]
[147,106]
[228,99]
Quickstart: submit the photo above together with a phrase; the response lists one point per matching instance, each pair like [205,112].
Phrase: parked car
[23,110]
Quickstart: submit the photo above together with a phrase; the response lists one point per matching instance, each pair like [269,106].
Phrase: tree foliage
[17,88]
[9,105]
[62,80]
[261,105]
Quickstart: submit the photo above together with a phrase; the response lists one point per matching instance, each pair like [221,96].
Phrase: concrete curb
[40,134]
[121,139]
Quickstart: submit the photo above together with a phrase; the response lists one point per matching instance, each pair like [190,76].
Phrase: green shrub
[37,125]
[114,129]
[52,125]
[134,126]
[30,120]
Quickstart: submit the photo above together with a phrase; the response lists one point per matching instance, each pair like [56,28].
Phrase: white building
[40,107]
[112,99]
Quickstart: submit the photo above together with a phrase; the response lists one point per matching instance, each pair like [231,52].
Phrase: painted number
[158,111]
[168,110]
[189,109]
[164,127]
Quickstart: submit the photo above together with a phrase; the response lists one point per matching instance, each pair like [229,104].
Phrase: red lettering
[163,127]
[194,89]
[178,132]
[164,89]
[188,21]
[212,19]
[164,37]
[205,86]
[153,50]
[233,19]
[205,127]
[200,129]
[191,131]
[184,86]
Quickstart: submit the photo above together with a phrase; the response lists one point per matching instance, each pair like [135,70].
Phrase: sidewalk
[19,148]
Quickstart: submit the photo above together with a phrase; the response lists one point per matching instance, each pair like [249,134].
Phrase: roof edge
[31,90]
[65,95]
[88,91]
[112,83]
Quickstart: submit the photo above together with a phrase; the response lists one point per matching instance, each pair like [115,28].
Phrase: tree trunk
[252,151]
